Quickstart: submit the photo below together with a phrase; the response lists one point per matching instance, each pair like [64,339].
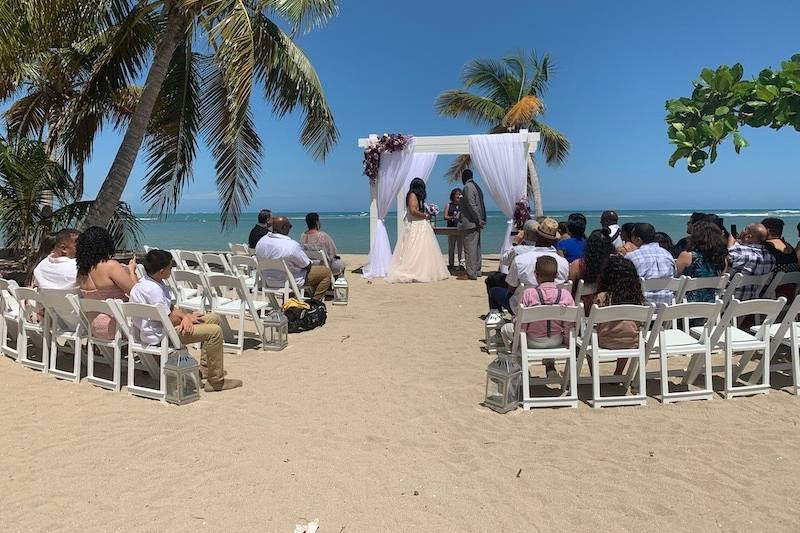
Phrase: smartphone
[733,231]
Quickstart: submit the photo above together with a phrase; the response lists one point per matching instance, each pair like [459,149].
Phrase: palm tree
[510,100]
[208,56]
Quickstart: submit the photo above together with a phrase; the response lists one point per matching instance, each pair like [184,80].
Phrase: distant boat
[363,214]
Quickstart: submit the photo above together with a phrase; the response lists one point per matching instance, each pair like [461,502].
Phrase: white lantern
[182,378]
[503,382]
[276,331]
[341,291]
[494,322]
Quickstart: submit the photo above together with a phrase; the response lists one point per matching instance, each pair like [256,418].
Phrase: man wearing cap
[522,268]
[610,219]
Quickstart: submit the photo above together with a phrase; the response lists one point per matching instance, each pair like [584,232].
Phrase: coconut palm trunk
[533,179]
[111,191]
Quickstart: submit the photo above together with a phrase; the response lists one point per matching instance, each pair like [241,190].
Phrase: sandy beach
[374,423]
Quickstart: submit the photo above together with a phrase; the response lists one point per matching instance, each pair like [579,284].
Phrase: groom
[473,220]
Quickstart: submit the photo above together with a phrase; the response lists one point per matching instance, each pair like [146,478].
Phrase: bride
[417,256]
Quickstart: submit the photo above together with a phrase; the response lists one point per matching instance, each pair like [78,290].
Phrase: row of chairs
[660,339]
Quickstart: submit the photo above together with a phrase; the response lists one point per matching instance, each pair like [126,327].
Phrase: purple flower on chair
[522,213]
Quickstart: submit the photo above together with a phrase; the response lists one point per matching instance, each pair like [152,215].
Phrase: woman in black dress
[452,213]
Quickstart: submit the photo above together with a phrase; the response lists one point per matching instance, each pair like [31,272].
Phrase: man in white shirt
[58,270]
[191,327]
[523,267]
[610,220]
[278,245]
[524,242]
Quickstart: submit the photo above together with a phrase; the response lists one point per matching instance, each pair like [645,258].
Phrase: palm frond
[303,15]
[458,165]
[172,144]
[289,80]
[522,112]
[27,117]
[479,110]
[493,77]
[554,144]
[543,69]
[125,228]
[237,151]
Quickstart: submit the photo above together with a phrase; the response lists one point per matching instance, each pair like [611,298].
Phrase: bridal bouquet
[522,213]
[432,210]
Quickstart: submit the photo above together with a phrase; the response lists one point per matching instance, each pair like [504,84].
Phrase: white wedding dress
[417,256]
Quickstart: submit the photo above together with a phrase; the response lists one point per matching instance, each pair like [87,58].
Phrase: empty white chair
[98,349]
[786,333]
[590,347]
[566,353]
[189,260]
[732,340]
[9,321]
[218,261]
[247,266]
[242,308]
[239,249]
[64,325]
[189,290]
[667,341]
[33,328]
[170,343]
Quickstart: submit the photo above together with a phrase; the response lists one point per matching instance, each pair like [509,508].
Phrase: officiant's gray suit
[473,216]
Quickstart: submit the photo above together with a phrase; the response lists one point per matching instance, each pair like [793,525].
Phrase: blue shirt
[572,248]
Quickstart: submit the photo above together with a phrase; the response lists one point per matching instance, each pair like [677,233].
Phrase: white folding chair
[64,326]
[243,307]
[33,326]
[9,321]
[667,341]
[247,266]
[732,340]
[715,283]
[98,349]
[734,283]
[529,355]
[783,278]
[674,285]
[276,269]
[590,347]
[239,249]
[170,343]
[189,260]
[759,284]
[190,291]
[584,289]
[218,261]
[322,257]
[786,333]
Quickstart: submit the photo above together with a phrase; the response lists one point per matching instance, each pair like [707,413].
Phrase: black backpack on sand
[307,319]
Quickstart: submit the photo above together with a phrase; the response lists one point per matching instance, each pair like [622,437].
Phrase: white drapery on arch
[392,173]
[502,162]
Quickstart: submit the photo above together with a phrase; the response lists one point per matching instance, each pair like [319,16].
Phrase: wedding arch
[500,161]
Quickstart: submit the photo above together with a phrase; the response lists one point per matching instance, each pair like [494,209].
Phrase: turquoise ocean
[350,230]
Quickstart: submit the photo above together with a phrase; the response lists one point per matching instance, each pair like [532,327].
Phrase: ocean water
[350,230]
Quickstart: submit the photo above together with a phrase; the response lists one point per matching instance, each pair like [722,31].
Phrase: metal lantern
[341,291]
[182,378]
[503,382]
[276,331]
[494,322]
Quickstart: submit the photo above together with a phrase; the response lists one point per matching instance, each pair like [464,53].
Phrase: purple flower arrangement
[522,213]
[388,142]
[432,210]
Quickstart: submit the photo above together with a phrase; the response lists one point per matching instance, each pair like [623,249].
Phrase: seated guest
[563,233]
[665,241]
[572,248]
[263,227]
[625,234]
[319,240]
[191,327]
[599,249]
[683,244]
[545,334]
[58,269]
[651,261]
[521,271]
[785,256]
[610,220]
[619,285]
[706,257]
[101,277]
[278,245]
[749,256]
[524,242]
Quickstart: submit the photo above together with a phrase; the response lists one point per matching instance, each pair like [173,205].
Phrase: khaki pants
[209,334]
[319,279]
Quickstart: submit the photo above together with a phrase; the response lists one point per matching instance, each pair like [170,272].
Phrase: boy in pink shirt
[549,333]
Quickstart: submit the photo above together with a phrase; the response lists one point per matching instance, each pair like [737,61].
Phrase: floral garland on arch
[388,142]
[522,213]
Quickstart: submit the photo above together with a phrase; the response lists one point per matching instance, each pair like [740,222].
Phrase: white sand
[374,423]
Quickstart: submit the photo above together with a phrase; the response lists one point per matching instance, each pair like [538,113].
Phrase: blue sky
[382,65]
